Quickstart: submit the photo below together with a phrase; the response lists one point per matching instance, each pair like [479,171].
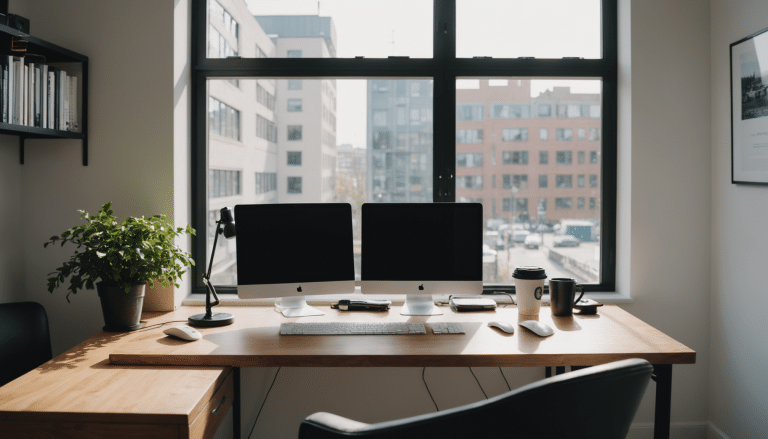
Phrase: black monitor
[289,251]
[421,249]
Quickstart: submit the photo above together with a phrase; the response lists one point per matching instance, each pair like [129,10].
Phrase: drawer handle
[216,410]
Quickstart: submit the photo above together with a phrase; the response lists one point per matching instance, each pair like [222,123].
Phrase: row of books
[36,94]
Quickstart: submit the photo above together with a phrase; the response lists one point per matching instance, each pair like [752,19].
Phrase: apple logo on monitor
[421,287]
[299,289]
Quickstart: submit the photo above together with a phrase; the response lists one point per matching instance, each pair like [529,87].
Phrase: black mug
[561,293]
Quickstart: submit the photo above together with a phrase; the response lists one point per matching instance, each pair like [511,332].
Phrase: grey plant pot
[122,311]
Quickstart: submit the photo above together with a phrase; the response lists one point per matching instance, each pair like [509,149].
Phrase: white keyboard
[447,328]
[351,328]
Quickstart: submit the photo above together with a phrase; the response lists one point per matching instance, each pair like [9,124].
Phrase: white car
[533,241]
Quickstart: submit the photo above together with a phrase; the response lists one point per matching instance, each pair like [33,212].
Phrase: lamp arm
[207,276]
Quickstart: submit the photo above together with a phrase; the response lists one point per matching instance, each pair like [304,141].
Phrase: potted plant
[120,259]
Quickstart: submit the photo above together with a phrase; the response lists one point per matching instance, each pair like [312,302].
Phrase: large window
[421,115]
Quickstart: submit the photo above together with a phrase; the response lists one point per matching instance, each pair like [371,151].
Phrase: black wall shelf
[53,54]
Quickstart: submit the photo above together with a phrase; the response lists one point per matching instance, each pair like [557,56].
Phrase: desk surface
[254,341]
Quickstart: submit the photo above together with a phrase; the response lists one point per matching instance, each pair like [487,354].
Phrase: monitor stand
[296,306]
[419,305]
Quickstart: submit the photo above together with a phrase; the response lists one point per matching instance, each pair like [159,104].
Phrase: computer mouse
[507,327]
[538,328]
[184,332]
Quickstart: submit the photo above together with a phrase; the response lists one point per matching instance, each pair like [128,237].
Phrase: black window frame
[443,68]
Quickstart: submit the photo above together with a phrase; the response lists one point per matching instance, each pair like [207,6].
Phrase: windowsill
[607,298]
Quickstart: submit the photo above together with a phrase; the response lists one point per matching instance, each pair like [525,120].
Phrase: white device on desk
[421,249]
[289,251]
[184,332]
[352,328]
[538,328]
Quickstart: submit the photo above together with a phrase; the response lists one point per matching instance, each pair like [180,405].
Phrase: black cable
[478,382]
[263,402]
[430,393]
[505,378]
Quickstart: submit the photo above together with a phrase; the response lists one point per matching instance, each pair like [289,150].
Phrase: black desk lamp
[219,319]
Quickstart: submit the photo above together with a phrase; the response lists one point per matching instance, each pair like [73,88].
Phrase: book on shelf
[38,94]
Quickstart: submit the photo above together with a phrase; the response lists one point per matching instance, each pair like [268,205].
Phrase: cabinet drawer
[207,422]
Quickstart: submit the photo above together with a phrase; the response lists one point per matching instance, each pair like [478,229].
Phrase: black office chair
[25,341]
[596,402]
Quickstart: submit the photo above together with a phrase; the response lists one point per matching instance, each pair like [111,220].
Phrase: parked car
[488,251]
[566,241]
[533,241]
[519,235]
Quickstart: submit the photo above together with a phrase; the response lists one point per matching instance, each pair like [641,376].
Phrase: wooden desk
[70,388]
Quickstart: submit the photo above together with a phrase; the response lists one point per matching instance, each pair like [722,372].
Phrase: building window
[563,181]
[511,111]
[415,89]
[469,160]
[580,203]
[543,181]
[294,185]
[469,182]
[594,134]
[543,134]
[515,180]
[260,53]
[264,97]
[514,157]
[224,18]
[223,183]
[293,54]
[294,104]
[469,136]
[380,118]
[564,157]
[294,158]
[545,110]
[521,204]
[580,181]
[592,156]
[515,135]
[592,203]
[218,46]
[563,203]
[594,111]
[581,156]
[593,180]
[266,182]
[294,84]
[294,132]
[470,112]
[223,119]
[543,157]
[582,134]
[564,134]
[266,129]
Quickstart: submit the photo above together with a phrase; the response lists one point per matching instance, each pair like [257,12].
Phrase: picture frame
[749,109]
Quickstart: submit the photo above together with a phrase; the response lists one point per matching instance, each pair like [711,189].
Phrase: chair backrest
[596,402]
[25,340]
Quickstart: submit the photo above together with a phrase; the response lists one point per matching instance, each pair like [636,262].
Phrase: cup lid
[529,272]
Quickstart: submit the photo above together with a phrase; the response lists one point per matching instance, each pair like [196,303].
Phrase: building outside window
[564,134]
[594,134]
[563,181]
[266,129]
[543,157]
[469,136]
[564,157]
[266,182]
[294,84]
[581,156]
[593,157]
[224,183]
[593,180]
[543,134]
[580,181]
[582,134]
[563,203]
[223,119]
[515,135]
[514,157]
[470,112]
[511,111]
[293,54]
[469,160]
[580,203]
[294,158]
[294,105]
[544,110]
[543,181]
[469,182]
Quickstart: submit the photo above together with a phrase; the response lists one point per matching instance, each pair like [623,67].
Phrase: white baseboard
[714,432]
[678,430]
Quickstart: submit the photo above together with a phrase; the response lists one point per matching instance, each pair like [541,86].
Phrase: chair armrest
[322,425]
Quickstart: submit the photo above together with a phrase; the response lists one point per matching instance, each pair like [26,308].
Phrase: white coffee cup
[529,287]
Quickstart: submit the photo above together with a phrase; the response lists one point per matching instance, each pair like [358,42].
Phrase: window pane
[543,184]
[338,148]
[327,29]
[515,28]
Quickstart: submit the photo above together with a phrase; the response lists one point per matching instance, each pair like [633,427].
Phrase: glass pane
[541,196]
[523,28]
[312,29]
[262,150]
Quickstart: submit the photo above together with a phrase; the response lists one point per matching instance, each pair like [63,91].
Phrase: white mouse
[184,332]
[538,328]
[504,326]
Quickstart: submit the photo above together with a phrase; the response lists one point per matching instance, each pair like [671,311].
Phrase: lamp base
[217,319]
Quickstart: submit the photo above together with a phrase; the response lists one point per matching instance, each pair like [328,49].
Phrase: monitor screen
[422,242]
[294,243]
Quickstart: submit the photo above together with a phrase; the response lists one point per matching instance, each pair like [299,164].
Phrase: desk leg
[236,410]
[662,374]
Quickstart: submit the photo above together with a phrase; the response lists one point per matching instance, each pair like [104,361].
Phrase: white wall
[738,402]
[131,139]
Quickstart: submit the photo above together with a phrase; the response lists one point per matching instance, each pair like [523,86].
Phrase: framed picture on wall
[749,109]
